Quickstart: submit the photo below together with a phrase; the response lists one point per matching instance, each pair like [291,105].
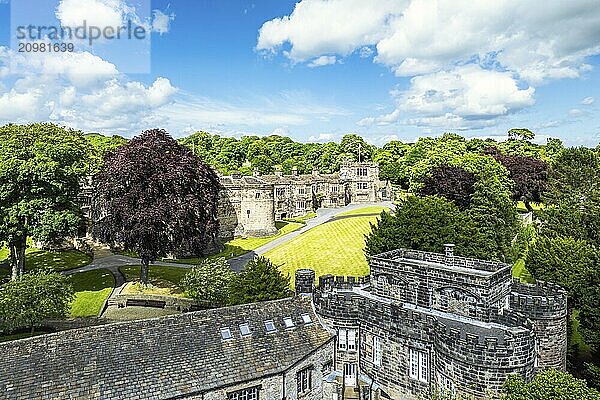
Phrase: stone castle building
[418,322]
[424,320]
[250,205]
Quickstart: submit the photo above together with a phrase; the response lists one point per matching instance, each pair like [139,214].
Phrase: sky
[312,70]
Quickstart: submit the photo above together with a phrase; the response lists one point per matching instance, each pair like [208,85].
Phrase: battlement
[342,282]
[448,259]
[538,300]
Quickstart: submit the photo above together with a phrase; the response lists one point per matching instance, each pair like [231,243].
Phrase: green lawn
[239,246]
[364,210]
[55,260]
[92,288]
[302,219]
[155,274]
[336,248]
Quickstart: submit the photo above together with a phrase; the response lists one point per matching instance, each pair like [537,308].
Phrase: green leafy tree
[41,167]
[522,133]
[100,147]
[209,281]
[154,197]
[548,385]
[33,298]
[354,147]
[566,261]
[260,280]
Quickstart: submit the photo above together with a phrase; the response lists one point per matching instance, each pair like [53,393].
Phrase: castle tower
[545,304]
[304,281]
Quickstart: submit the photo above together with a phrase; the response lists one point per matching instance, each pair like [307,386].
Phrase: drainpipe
[283,385]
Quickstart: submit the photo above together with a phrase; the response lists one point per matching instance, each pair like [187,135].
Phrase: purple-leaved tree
[153,196]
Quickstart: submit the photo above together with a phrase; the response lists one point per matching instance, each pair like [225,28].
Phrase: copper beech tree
[154,197]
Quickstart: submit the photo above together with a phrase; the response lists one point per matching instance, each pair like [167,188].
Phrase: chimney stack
[278,171]
[449,250]
[236,175]
[294,171]
[256,172]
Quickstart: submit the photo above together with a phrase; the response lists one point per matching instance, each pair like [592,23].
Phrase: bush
[209,281]
[260,280]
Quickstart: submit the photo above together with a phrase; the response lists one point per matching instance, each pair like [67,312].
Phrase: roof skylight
[226,333]
[288,322]
[270,326]
[306,319]
[245,330]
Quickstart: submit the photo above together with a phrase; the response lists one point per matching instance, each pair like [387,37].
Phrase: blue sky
[387,69]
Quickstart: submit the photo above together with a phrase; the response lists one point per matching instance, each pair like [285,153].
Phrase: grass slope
[239,246]
[336,248]
[364,210]
[170,274]
[92,288]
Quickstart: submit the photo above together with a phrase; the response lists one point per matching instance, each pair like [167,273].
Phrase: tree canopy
[260,280]
[155,197]
[209,281]
[41,167]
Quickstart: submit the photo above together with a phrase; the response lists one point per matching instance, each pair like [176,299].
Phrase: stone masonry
[425,320]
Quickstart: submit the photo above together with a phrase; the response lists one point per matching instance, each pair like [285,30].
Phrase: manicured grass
[364,210]
[336,248]
[56,260]
[520,271]
[239,246]
[92,288]
[156,274]
[302,219]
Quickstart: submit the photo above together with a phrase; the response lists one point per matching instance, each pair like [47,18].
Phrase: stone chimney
[295,171]
[236,175]
[304,282]
[256,172]
[278,171]
[315,171]
[449,252]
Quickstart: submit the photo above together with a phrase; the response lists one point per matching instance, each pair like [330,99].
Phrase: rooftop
[162,358]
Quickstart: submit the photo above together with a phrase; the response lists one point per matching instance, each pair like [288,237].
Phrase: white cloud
[464,97]
[317,27]
[161,22]
[323,60]
[587,101]
[322,137]
[100,13]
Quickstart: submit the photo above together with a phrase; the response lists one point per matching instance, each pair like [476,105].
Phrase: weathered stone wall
[319,361]
[546,305]
[271,388]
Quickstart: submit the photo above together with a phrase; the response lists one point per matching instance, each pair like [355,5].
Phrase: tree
[564,261]
[522,133]
[453,183]
[529,174]
[260,280]
[420,223]
[548,385]
[354,147]
[34,297]
[154,197]
[209,281]
[41,166]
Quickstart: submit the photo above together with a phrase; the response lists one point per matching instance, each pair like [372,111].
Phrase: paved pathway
[323,215]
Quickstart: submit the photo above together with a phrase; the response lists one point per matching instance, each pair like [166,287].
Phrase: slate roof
[244,179]
[300,179]
[160,358]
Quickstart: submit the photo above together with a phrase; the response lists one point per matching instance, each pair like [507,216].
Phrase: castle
[419,322]
[249,205]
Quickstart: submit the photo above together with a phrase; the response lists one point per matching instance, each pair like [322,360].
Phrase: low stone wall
[168,302]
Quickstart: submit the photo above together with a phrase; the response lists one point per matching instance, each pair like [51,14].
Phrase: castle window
[362,185]
[245,330]
[418,365]
[351,340]
[257,196]
[377,351]
[280,192]
[270,326]
[342,339]
[248,213]
[301,205]
[334,188]
[301,190]
[244,394]
[361,171]
[303,380]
